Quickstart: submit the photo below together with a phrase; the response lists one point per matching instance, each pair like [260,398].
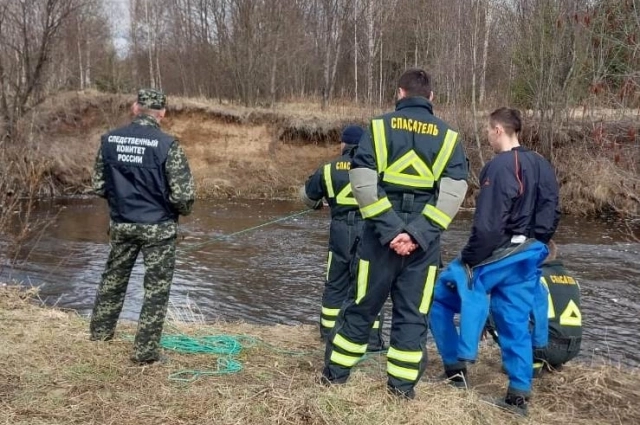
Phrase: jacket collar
[413,102]
[147,120]
[350,150]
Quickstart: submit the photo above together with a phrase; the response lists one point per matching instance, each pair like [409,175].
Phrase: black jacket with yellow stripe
[565,318]
[412,150]
[331,181]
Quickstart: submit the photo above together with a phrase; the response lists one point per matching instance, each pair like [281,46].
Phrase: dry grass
[598,184]
[51,374]
[268,152]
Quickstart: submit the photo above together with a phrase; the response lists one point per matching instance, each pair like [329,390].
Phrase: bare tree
[332,15]
[147,25]
[28,31]
[478,7]
[488,20]
[375,16]
[546,55]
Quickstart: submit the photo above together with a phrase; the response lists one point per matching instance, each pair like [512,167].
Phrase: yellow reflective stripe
[571,315]
[404,356]
[427,295]
[327,323]
[349,346]
[445,153]
[395,173]
[402,372]
[421,168]
[408,180]
[538,365]
[363,278]
[343,360]
[376,324]
[345,197]
[402,163]
[327,180]
[377,208]
[330,311]
[380,144]
[329,260]
[551,310]
[437,216]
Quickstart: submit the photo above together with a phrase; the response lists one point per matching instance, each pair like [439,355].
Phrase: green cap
[152,99]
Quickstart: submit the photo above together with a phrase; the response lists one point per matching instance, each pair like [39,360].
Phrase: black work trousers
[381,273]
[344,234]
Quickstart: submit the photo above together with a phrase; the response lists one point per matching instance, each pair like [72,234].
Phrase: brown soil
[268,153]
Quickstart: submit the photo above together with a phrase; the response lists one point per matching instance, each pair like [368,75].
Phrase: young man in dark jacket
[516,215]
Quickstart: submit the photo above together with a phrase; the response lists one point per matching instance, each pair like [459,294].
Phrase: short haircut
[415,82]
[508,118]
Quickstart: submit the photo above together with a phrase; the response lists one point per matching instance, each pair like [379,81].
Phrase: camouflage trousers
[158,245]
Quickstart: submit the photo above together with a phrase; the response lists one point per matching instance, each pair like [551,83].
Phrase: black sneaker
[458,378]
[516,404]
[405,395]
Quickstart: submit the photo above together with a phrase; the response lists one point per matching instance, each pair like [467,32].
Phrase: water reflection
[274,274]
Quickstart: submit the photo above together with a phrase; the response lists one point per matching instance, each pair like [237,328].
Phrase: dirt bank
[268,153]
[50,373]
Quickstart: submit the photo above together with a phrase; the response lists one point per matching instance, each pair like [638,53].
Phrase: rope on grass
[226,347]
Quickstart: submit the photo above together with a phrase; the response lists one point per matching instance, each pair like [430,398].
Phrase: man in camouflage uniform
[145,177]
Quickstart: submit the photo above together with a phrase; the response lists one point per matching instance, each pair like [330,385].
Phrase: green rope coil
[221,345]
[225,346]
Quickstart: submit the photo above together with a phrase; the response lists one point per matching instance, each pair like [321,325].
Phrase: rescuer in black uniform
[409,179]
[331,182]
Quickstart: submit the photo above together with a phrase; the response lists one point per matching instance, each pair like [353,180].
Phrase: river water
[274,274]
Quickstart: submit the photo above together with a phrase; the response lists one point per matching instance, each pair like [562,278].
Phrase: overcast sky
[118,13]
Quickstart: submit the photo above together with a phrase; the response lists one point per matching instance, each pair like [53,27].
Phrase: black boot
[406,395]
[328,380]
[458,378]
[515,403]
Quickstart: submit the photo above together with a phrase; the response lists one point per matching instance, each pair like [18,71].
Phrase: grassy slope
[50,373]
[268,153]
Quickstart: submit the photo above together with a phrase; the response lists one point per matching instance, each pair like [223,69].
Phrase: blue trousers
[508,287]
[540,315]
